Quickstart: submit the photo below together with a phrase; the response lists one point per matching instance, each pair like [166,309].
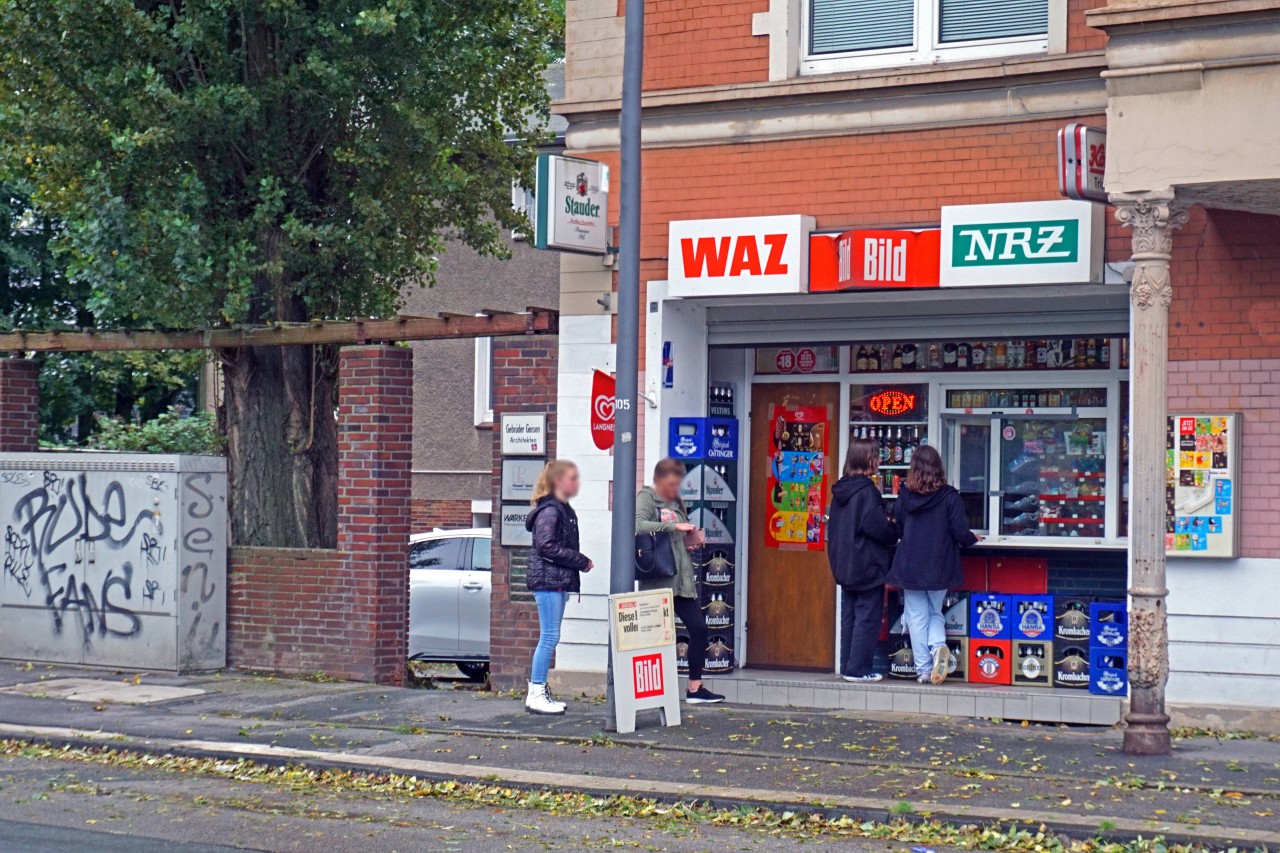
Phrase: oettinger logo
[1046,242]
[647,670]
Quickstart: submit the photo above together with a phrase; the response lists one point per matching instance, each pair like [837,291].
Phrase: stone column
[1152,217]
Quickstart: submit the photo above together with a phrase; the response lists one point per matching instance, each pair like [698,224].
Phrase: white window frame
[483,385]
[927,50]
[522,201]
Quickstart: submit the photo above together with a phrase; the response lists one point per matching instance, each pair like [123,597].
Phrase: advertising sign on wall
[573,205]
[524,435]
[603,398]
[1082,162]
[735,257]
[1202,488]
[1041,242]
[796,477]
[865,259]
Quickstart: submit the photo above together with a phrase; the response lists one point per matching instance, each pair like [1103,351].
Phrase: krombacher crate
[1071,619]
[1071,665]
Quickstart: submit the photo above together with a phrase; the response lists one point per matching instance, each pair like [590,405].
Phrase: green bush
[167,433]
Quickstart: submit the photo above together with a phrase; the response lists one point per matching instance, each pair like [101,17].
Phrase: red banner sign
[865,259]
[603,393]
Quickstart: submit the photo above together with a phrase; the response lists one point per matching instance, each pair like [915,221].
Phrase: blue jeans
[550,615]
[923,616]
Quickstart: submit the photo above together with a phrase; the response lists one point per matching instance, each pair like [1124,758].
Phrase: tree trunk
[278,414]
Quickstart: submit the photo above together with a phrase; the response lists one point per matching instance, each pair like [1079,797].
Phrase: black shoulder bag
[654,558]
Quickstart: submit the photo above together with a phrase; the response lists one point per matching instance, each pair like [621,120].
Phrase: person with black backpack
[663,526]
[860,540]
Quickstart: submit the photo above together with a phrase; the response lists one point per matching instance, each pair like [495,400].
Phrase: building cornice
[1122,14]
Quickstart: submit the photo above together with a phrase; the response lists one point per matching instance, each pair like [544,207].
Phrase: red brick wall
[289,612]
[19,405]
[524,380]
[446,514]
[1081,36]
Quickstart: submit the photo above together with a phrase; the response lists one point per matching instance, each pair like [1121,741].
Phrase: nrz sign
[993,244]
[1042,242]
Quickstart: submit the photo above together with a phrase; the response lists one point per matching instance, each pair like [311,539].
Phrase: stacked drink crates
[1108,648]
[1071,641]
[709,449]
[897,644]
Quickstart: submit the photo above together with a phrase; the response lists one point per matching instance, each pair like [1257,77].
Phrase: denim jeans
[550,615]
[923,617]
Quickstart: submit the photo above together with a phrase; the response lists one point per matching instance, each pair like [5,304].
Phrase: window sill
[487,426]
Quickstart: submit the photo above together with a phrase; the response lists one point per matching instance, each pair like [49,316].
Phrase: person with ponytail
[555,567]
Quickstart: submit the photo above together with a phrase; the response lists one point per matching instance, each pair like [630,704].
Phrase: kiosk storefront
[1001,338]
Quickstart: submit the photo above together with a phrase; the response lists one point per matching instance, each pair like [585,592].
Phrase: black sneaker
[703,696]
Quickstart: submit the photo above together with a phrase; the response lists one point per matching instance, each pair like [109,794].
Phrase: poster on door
[1202,486]
[797,477]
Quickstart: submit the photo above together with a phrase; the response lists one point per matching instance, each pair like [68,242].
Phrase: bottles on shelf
[1054,478]
[1051,354]
[898,443]
[1028,398]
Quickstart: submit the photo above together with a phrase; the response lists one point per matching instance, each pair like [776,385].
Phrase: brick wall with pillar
[19,405]
[375,434]
[524,380]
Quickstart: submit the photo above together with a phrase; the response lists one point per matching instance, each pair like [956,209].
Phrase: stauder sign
[1046,242]
[573,205]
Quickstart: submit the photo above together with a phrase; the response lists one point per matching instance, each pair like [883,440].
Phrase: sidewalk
[862,764]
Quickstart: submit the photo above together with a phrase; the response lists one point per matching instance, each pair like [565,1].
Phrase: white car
[449,586]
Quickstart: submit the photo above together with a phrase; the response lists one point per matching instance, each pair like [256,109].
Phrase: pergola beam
[537,321]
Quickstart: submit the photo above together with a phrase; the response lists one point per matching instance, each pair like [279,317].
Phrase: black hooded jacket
[554,560]
[934,529]
[860,534]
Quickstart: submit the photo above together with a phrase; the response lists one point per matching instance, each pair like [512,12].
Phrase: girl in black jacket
[860,539]
[934,529]
[555,566]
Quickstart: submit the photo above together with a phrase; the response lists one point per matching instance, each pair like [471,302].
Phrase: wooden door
[790,592]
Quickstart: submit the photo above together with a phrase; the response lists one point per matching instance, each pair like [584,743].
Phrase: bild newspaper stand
[643,636]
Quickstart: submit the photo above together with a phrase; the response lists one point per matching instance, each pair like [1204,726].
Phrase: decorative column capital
[1152,218]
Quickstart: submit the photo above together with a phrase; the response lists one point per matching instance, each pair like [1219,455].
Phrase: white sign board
[512,519]
[573,205]
[524,435]
[519,477]
[643,640]
[1039,242]
[733,257]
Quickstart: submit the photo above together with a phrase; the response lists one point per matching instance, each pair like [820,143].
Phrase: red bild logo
[647,670]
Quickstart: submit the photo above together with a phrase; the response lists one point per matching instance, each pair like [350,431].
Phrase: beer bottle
[962,356]
[861,363]
[897,357]
[897,449]
[873,360]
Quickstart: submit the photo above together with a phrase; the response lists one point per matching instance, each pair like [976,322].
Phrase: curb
[670,793]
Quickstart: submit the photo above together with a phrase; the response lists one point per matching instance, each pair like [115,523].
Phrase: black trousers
[861,614]
[690,612]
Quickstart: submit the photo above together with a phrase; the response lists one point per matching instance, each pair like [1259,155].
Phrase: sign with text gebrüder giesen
[643,639]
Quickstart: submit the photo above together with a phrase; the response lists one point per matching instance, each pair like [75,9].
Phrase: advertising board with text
[796,477]
[643,640]
[736,257]
[1202,485]
[524,434]
[573,205]
[874,259]
[1039,242]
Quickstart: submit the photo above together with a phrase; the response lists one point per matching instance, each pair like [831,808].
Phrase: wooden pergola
[445,326]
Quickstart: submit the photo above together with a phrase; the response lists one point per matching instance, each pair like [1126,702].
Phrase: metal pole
[1153,217]
[622,554]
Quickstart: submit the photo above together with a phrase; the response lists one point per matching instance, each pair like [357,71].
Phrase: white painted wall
[1224,632]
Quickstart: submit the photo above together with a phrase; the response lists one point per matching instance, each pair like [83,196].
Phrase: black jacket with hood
[934,529]
[554,561]
[860,534]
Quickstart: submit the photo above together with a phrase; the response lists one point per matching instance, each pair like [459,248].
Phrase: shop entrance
[790,591]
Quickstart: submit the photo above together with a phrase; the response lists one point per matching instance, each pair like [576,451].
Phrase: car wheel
[475,671]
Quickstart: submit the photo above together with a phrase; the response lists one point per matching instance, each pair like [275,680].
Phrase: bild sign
[1049,242]
[573,205]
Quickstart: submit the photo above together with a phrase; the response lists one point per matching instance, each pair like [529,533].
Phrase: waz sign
[1053,242]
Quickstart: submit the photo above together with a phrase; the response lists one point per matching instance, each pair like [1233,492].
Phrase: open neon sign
[892,403]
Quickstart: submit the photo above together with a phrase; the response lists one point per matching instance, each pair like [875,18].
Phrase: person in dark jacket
[555,567]
[934,529]
[860,539]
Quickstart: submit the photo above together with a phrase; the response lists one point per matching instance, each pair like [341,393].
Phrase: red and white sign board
[643,644]
[1082,162]
[734,257]
[866,259]
[802,360]
[603,396]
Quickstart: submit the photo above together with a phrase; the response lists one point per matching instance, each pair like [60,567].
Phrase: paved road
[55,806]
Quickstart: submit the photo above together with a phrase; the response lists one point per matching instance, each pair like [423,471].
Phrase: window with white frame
[852,34]
[522,201]
[484,381]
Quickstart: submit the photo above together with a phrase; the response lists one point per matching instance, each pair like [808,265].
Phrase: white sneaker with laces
[538,702]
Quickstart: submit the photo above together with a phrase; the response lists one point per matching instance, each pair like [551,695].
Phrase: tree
[229,162]
[76,389]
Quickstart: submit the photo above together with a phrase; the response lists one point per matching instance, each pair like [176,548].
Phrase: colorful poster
[1202,462]
[796,470]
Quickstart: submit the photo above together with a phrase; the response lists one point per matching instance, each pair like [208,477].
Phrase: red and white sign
[723,257]
[603,396]
[865,258]
[1082,162]
[803,360]
[806,360]
[647,675]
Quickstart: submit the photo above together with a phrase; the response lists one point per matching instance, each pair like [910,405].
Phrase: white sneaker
[538,702]
[551,697]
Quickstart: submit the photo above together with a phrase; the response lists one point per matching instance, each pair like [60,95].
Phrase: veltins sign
[733,257]
[573,205]
[524,435]
[1042,242]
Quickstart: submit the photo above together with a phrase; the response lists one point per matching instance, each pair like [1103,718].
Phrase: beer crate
[1033,617]
[706,439]
[715,566]
[719,653]
[1071,619]
[1109,625]
[902,663]
[1071,665]
[682,651]
[717,609]
[990,661]
[990,616]
[1032,664]
[1108,672]
[955,612]
[959,668]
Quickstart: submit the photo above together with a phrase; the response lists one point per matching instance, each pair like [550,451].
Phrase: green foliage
[170,432]
[230,162]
